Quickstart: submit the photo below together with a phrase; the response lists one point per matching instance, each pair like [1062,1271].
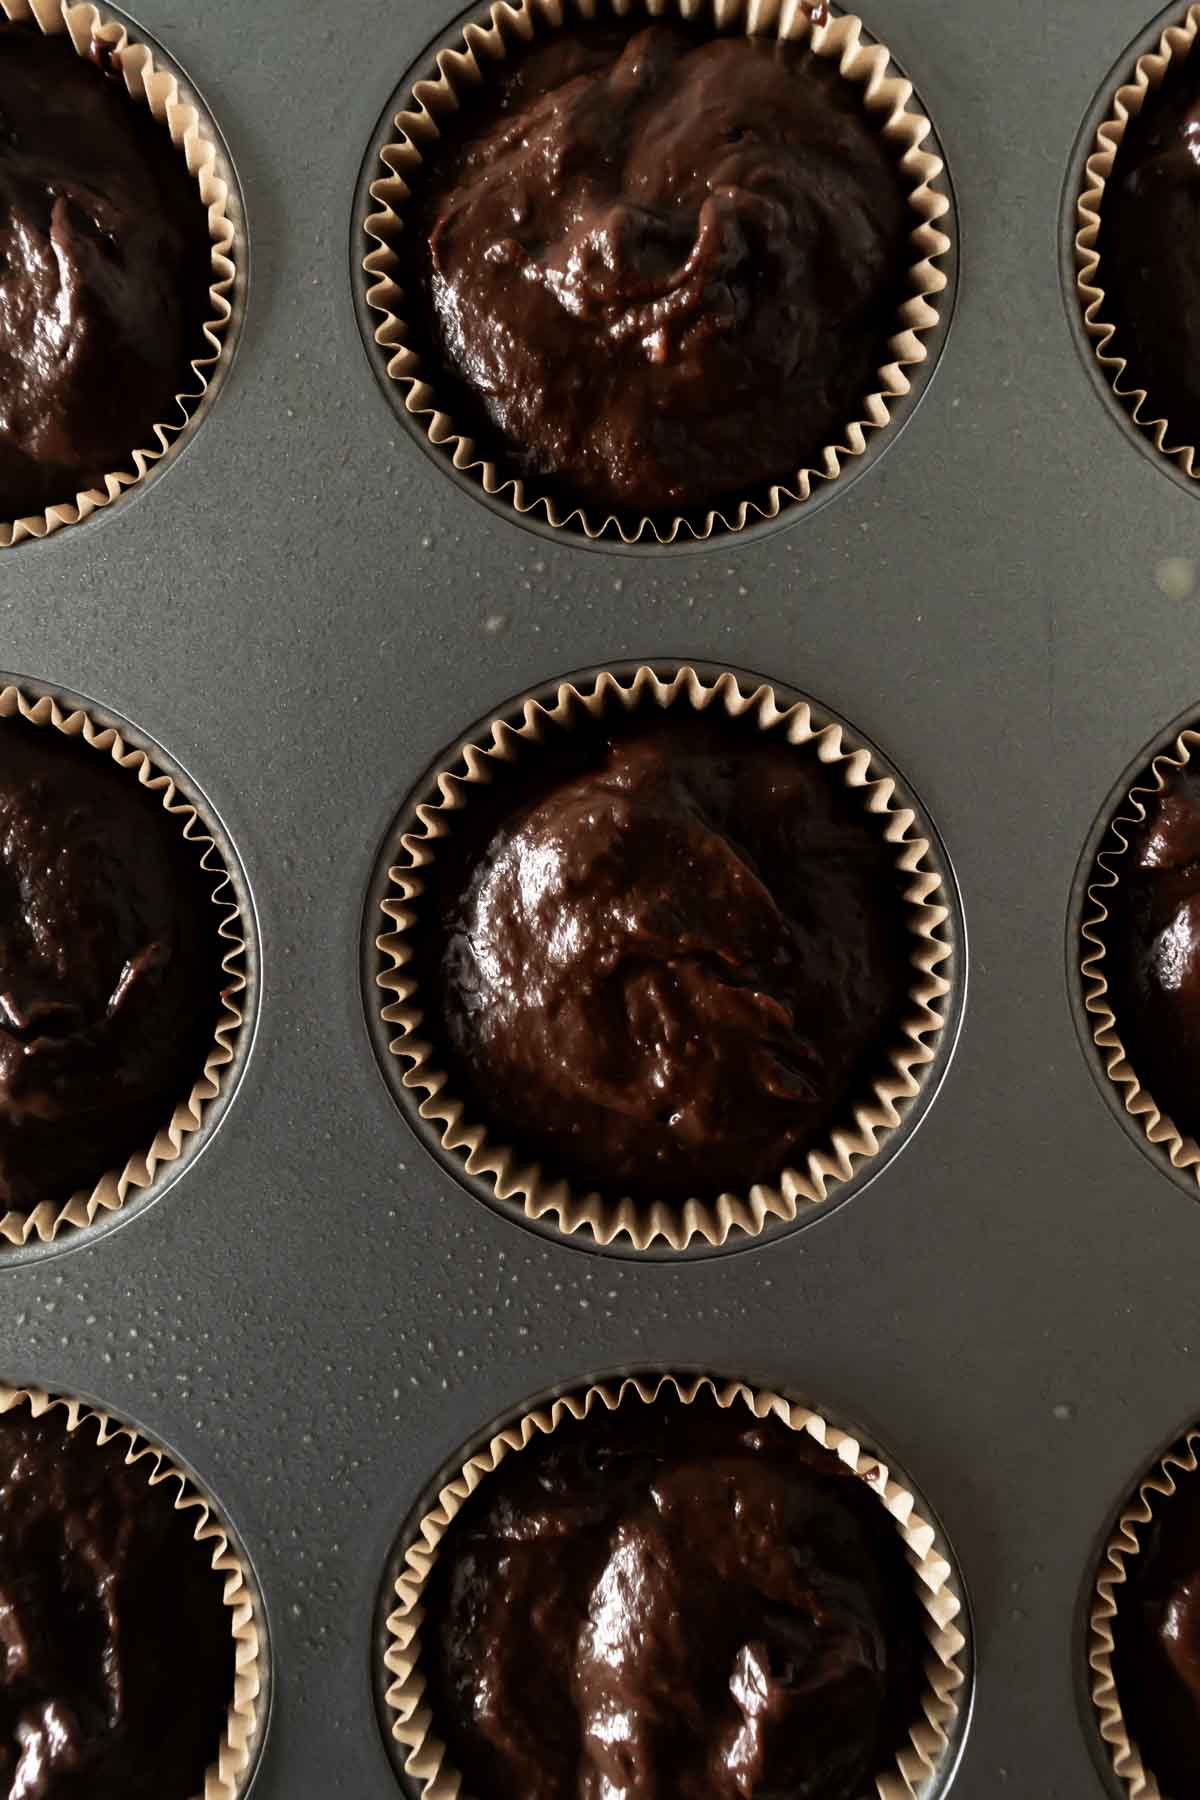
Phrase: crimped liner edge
[917,1761]
[225,1778]
[924,897]
[114,1187]
[1148,74]
[1123,1548]
[159,90]
[885,94]
[1157,1126]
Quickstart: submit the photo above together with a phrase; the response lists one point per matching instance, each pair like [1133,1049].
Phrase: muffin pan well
[318,1316]
[454,74]
[1122,159]
[127,1549]
[927,1754]
[205,920]
[898,1078]
[112,243]
[1097,938]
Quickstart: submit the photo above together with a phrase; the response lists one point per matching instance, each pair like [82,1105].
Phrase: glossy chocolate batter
[105,266]
[668,961]
[1156,1663]
[109,966]
[660,271]
[116,1646]
[672,1603]
[1153,941]
[1150,251]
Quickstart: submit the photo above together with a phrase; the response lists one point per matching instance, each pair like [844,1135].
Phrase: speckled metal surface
[303,611]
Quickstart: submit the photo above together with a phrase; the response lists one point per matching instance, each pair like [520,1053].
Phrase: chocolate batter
[667,961]
[672,1603]
[105,265]
[1150,251]
[109,966]
[660,271]
[116,1646]
[1153,942]
[1156,1663]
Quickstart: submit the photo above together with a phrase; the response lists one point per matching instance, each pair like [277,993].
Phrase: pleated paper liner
[1147,76]
[228,1775]
[877,1114]
[928,1748]
[1122,1549]
[1159,1129]
[506,28]
[88,28]
[114,1187]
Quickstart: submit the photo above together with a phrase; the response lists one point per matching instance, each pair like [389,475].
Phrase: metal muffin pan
[316,1316]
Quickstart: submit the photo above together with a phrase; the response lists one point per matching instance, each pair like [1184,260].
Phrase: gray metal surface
[303,611]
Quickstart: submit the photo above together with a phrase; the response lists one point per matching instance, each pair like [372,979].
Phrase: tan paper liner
[1148,74]
[874,1120]
[1121,1549]
[1157,1127]
[159,90]
[838,38]
[114,1186]
[225,1778]
[916,1762]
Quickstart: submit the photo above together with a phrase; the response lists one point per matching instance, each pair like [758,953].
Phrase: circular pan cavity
[251,1705]
[374,964]
[138,1199]
[878,442]
[870,1446]
[1104,1729]
[236,296]
[1091,875]
[1116,405]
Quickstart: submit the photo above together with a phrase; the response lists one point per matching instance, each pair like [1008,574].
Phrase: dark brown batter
[672,1603]
[668,962]
[1153,940]
[1150,252]
[660,271]
[1156,1663]
[116,1646]
[105,265]
[109,966]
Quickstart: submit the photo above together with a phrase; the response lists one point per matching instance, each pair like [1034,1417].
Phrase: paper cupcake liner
[115,1186]
[1122,1548]
[886,95]
[1148,74]
[227,1776]
[1158,1127]
[91,33]
[412,1725]
[875,1118]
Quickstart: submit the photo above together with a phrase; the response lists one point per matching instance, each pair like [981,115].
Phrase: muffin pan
[316,1316]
